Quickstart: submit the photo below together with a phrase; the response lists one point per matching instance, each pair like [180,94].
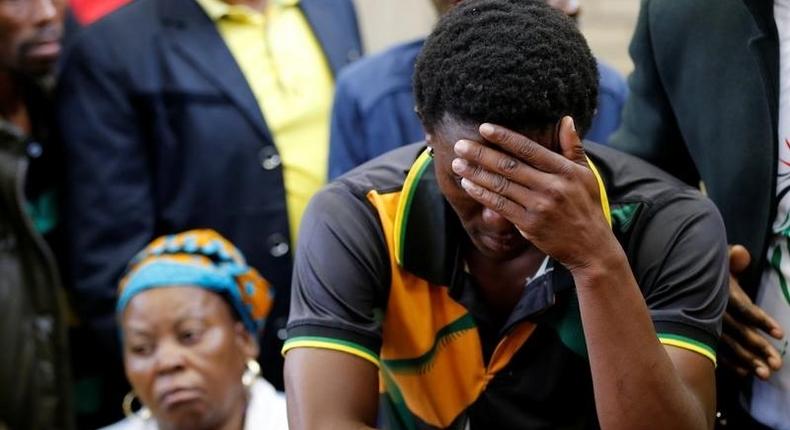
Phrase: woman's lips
[177,396]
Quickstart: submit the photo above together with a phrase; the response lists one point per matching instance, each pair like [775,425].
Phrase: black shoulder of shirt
[628,178]
[385,173]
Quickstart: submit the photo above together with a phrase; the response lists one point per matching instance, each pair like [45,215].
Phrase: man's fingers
[523,148]
[742,308]
[499,162]
[739,259]
[745,358]
[750,339]
[491,181]
[496,202]
[757,317]
[570,144]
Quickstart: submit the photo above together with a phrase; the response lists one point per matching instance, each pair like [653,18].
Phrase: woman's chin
[184,416]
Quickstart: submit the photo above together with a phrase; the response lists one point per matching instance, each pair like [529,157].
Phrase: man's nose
[45,11]
[495,221]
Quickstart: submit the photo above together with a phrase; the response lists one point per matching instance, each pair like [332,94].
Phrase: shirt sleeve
[341,277]
[681,264]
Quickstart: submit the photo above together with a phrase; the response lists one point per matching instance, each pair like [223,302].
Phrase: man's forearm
[635,382]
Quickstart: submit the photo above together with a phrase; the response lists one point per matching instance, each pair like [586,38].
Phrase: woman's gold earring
[128,401]
[251,373]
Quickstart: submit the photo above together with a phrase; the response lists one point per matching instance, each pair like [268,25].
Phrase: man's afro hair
[517,63]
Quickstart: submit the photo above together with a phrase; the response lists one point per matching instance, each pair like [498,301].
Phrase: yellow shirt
[286,69]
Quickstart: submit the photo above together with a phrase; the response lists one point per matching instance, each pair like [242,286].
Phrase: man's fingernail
[462,146]
[486,129]
[762,372]
[459,165]
[573,124]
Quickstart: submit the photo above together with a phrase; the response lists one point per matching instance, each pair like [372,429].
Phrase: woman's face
[184,355]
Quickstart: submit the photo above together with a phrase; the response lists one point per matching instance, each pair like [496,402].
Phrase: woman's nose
[169,357]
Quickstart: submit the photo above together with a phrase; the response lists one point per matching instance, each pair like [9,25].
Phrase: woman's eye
[190,336]
[141,349]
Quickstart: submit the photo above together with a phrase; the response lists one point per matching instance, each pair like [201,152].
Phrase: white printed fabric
[771,400]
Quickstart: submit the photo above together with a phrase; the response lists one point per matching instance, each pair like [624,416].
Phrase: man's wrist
[603,267]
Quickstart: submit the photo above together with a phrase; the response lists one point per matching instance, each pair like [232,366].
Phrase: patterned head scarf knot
[200,258]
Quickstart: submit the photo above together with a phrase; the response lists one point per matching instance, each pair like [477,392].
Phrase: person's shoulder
[629,178]
[126,30]
[135,15]
[384,173]
[698,17]
[375,76]
[637,190]
[686,6]
[349,196]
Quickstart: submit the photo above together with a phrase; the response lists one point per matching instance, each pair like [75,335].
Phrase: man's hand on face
[746,350]
[552,199]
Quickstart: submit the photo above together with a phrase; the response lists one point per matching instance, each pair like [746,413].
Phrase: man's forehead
[452,129]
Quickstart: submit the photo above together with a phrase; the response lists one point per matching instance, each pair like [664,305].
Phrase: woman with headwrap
[190,310]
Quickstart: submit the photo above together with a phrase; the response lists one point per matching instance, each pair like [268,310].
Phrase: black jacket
[34,378]
[703,106]
[162,134]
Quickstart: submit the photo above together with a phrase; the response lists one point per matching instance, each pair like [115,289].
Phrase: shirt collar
[215,9]
[427,232]
[218,9]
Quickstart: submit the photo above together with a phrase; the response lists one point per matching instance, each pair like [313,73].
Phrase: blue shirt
[373,110]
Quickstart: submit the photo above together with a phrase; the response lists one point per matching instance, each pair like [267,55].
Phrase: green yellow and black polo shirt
[379,275]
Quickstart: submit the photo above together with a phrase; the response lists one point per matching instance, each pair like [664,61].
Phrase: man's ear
[245,341]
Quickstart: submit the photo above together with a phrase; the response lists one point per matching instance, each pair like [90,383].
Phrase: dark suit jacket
[703,106]
[162,134]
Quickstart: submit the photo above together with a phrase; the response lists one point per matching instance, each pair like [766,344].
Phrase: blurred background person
[190,310]
[34,379]
[373,111]
[710,104]
[181,114]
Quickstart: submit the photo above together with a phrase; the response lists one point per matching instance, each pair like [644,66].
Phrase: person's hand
[552,199]
[745,349]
